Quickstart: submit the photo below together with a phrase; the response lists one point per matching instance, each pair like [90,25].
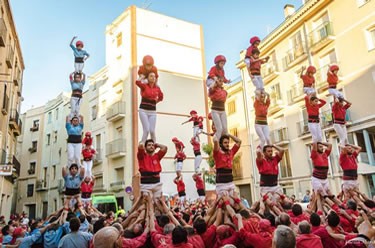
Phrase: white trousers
[308,90]
[258,82]
[75,105]
[220,120]
[342,133]
[197,162]
[196,132]
[225,189]
[320,186]
[209,82]
[88,168]
[263,133]
[335,92]
[74,153]
[179,166]
[78,67]
[148,120]
[155,189]
[348,185]
[316,132]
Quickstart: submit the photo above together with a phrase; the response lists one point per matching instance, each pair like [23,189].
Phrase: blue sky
[45,28]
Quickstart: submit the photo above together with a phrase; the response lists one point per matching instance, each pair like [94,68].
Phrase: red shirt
[215,71]
[320,163]
[259,240]
[349,162]
[255,65]
[261,111]
[249,51]
[269,166]
[199,182]
[150,92]
[87,141]
[332,79]
[196,145]
[313,110]
[327,240]
[339,112]
[87,187]
[308,241]
[209,237]
[156,237]
[143,71]
[197,121]
[180,185]
[88,154]
[179,145]
[196,241]
[180,156]
[217,94]
[184,245]
[225,160]
[299,218]
[232,240]
[135,242]
[307,80]
[149,163]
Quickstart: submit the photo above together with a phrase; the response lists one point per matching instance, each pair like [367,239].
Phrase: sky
[45,28]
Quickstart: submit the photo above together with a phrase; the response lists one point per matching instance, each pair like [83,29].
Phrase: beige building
[319,33]
[114,97]
[43,151]
[11,71]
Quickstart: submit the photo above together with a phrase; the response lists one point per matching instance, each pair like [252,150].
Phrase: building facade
[11,71]
[319,34]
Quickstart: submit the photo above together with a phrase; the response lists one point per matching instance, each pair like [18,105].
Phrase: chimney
[289,10]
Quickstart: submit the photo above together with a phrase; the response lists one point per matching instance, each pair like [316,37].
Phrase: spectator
[75,238]
[284,237]
[305,238]
[306,197]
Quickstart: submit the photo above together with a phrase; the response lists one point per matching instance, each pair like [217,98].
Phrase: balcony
[116,112]
[31,171]
[32,149]
[98,157]
[276,104]
[98,187]
[3,33]
[302,128]
[17,77]
[327,118]
[41,185]
[280,136]
[16,165]
[294,56]
[15,122]
[34,128]
[9,57]
[116,148]
[269,72]
[321,36]
[295,94]
[5,107]
[118,185]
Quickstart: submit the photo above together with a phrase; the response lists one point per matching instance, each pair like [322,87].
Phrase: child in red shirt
[178,144]
[147,67]
[333,80]
[87,141]
[197,124]
[88,155]
[254,70]
[308,80]
[180,157]
[217,71]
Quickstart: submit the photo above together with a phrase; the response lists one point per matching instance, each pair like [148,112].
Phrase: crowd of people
[275,220]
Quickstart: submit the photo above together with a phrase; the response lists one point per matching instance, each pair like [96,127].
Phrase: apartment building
[319,33]
[11,71]
[114,97]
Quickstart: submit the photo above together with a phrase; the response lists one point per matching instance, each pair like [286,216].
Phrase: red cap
[148,60]
[220,58]
[193,112]
[88,133]
[254,39]
[79,43]
[17,232]
[311,69]
[174,139]
[334,68]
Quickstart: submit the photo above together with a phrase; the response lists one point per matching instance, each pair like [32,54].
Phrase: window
[45,177]
[49,117]
[34,144]
[57,113]
[48,139]
[370,37]
[276,92]
[54,172]
[30,190]
[234,131]
[119,39]
[231,107]
[32,167]
[94,112]
[35,125]
[98,143]
[55,137]
[285,168]
[104,107]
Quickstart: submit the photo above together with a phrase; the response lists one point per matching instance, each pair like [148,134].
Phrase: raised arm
[162,148]
[280,150]
[302,71]
[259,153]
[235,139]
[71,42]
[64,171]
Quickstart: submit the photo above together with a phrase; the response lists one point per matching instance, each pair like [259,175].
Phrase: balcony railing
[3,33]
[98,156]
[99,186]
[280,135]
[116,111]
[9,56]
[293,55]
[302,128]
[321,76]
[16,165]
[269,71]
[41,185]
[17,77]
[15,122]
[116,148]
[295,93]
[34,128]
[327,118]
[32,149]
[118,185]
[5,106]
[322,34]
